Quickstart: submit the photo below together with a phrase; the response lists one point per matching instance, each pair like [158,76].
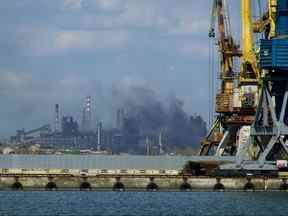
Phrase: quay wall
[137,183]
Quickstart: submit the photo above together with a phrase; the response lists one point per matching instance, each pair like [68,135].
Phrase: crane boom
[247,37]
[213,20]
[249,71]
[227,47]
[227,51]
[272,10]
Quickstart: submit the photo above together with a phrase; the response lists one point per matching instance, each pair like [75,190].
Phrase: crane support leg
[223,143]
[276,131]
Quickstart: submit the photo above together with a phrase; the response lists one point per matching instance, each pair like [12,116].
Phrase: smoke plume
[147,115]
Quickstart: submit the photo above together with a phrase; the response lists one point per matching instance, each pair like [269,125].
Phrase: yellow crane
[249,69]
[228,50]
[249,77]
[235,104]
[266,23]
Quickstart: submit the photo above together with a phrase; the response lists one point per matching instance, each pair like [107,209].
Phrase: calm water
[142,203]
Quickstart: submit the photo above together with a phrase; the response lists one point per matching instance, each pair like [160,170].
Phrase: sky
[59,51]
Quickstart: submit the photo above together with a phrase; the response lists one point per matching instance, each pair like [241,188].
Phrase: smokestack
[87,115]
[148,151]
[99,136]
[88,111]
[57,119]
[161,143]
[83,120]
[119,118]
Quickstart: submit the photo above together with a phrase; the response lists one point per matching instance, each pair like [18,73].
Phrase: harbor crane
[269,131]
[227,51]
[237,100]
[265,142]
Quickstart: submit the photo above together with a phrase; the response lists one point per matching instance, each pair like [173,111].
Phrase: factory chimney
[87,115]
[57,119]
[88,112]
[99,136]
[83,129]
[148,147]
[119,118]
[161,152]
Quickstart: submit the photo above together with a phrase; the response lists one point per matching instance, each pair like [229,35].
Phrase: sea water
[143,203]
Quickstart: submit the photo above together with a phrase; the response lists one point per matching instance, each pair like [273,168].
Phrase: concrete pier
[116,172]
[139,183]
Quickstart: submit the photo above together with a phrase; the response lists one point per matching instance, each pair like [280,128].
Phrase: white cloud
[91,31]
[129,81]
[42,42]
[127,14]
[109,5]
[90,39]
[131,14]
[12,81]
[195,48]
[105,5]
[72,4]
[189,25]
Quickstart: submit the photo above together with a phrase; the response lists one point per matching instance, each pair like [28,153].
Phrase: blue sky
[59,51]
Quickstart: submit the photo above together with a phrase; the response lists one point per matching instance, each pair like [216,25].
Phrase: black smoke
[147,115]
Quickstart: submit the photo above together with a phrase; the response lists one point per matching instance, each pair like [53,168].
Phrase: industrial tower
[87,116]
[57,119]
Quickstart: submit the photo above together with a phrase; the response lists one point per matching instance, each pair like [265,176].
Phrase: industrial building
[69,134]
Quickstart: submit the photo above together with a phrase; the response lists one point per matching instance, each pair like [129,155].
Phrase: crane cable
[214,77]
[211,69]
[211,82]
[228,27]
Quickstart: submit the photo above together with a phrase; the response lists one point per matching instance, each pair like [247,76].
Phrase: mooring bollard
[51,185]
[185,186]
[218,186]
[152,186]
[85,185]
[284,185]
[265,183]
[249,186]
[17,184]
[118,186]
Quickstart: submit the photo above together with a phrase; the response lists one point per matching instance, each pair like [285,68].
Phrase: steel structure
[238,97]
[268,140]
[57,119]
[227,50]
[87,115]
[24,137]
[269,132]
[99,136]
